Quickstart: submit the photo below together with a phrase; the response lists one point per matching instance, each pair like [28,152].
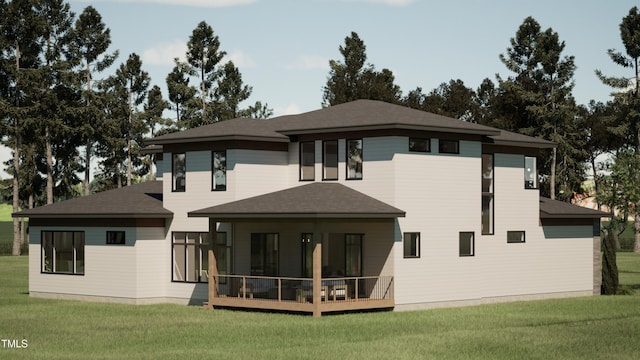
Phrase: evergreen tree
[627,125]
[181,94]
[353,80]
[538,101]
[203,55]
[90,41]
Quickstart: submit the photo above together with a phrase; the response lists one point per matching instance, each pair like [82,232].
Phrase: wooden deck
[297,294]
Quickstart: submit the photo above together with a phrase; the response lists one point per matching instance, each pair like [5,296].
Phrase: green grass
[603,327]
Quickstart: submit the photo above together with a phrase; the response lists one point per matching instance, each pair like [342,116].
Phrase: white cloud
[309,62]
[385,2]
[292,108]
[164,54]
[240,59]
[194,3]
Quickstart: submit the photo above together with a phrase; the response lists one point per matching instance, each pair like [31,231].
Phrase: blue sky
[282,48]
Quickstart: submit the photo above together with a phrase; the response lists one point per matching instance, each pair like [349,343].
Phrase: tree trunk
[552,180]
[636,233]
[129,140]
[87,169]
[49,166]
[16,166]
[609,265]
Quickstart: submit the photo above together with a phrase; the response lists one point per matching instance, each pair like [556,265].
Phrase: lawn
[592,327]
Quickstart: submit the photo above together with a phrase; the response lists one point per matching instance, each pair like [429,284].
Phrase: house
[362,205]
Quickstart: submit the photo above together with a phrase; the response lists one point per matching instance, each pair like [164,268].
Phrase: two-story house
[357,206]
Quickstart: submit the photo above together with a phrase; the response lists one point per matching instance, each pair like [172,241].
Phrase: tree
[203,55]
[180,92]
[628,122]
[452,99]
[540,101]
[130,85]
[152,116]
[90,41]
[353,80]
[21,30]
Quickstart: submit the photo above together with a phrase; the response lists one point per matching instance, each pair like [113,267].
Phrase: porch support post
[212,266]
[317,270]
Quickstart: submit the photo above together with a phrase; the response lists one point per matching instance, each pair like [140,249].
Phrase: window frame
[442,150]
[427,141]
[529,183]
[521,238]
[223,169]
[302,161]
[262,237]
[326,157]
[488,195]
[174,177]
[78,238]
[113,239]
[348,162]
[416,241]
[472,245]
[200,247]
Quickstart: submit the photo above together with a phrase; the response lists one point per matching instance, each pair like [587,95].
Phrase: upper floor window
[62,252]
[419,145]
[354,159]
[449,146]
[487,194]
[330,160]
[411,245]
[530,173]
[307,160]
[515,237]
[219,171]
[179,172]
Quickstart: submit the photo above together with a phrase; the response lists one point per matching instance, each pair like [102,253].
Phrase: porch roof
[554,209]
[311,201]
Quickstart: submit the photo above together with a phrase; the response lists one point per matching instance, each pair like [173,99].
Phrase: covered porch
[315,248]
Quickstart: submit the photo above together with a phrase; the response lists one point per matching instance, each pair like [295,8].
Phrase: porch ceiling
[315,200]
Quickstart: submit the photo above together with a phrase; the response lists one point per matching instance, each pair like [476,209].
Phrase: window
[353,254]
[330,160]
[467,244]
[264,254]
[179,172]
[307,254]
[219,171]
[419,145]
[449,146]
[62,252]
[307,160]
[222,250]
[530,173]
[354,159]
[116,238]
[411,245]
[515,237]
[487,194]
[190,261]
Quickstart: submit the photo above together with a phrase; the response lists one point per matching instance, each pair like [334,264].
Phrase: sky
[282,47]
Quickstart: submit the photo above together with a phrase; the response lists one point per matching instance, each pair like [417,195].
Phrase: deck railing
[300,290]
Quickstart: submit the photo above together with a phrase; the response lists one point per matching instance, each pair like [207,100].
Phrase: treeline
[60,115]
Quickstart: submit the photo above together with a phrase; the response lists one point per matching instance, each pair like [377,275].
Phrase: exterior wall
[124,273]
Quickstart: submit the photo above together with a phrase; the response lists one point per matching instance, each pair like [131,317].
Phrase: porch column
[317,270]
[212,265]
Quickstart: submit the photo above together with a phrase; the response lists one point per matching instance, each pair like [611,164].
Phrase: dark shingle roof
[315,200]
[234,129]
[374,115]
[554,209]
[142,200]
[357,115]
